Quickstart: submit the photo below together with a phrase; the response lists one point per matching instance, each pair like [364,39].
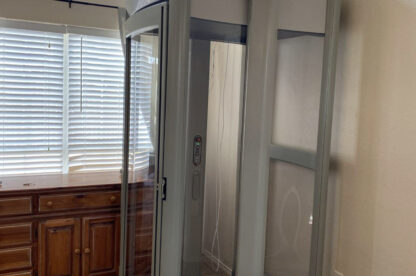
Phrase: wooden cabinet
[100,240]
[60,247]
[61,252]
[72,231]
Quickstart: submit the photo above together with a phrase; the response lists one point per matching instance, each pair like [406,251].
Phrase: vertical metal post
[258,109]
[174,148]
[125,171]
[159,195]
[196,125]
[324,137]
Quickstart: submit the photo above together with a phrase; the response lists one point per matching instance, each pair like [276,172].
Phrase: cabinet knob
[77,251]
[113,199]
[49,203]
[87,251]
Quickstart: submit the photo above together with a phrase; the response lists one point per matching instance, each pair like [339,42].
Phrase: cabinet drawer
[78,201]
[15,235]
[16,258]
[143,244]
[15,206]
[22,273]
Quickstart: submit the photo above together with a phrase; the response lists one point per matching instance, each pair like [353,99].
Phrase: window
[62,98]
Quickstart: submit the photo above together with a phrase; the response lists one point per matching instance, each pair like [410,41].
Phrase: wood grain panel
[144,195]
[15,206]
[143,265]
[144,221]
[63,202]
[15,235]
[101,245]
[59,247]
[21,273]
[16,258]
[143,244]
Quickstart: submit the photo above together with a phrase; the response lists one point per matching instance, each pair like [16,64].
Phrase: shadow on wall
[373,139]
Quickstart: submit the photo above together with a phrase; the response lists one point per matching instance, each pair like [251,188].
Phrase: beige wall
[58,12]
[374,139]
[231,11]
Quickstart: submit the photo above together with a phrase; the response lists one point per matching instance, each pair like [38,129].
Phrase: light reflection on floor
[206,270]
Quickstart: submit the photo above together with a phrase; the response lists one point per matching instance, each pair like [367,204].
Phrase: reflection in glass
[289,222]
[144,97]
[298,88]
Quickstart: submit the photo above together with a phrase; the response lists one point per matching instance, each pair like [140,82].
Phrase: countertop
[73,180]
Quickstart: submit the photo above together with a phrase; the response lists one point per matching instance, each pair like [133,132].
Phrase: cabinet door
[59,247]
[100,240]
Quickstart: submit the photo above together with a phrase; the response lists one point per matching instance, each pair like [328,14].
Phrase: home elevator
[240,141]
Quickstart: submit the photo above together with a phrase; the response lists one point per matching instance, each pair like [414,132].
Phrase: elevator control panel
[197,152]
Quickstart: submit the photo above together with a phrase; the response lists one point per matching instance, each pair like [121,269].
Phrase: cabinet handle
[87,251]
[49,203]
[112,198]
[77,251]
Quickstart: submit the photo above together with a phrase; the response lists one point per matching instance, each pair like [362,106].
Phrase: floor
[206,270]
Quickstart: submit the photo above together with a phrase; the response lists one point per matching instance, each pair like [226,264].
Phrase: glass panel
[291,187]
[144,117]
[289,222]
[216,84]
[223,131]
[299,71]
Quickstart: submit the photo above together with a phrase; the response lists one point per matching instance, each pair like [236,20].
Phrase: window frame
[65,30]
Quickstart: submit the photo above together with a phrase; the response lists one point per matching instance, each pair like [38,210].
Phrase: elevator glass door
[144,104]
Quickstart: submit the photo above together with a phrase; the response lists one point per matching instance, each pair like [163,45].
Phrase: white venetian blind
[47,126]
[31,102]
[96,96]
[141,81]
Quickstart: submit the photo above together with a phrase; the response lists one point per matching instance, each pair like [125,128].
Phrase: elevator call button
[197,150]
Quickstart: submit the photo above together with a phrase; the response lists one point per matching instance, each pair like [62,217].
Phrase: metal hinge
[164,184]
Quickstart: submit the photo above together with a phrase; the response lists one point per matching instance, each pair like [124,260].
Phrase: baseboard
[213,260]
